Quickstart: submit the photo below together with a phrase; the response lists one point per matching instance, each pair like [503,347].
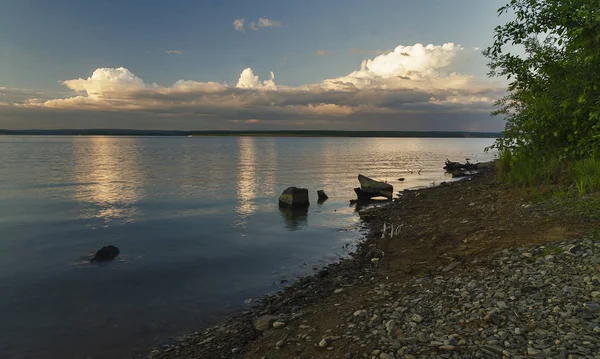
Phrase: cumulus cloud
[106,80]
[250,81]
[174,52]
[238,25]
[416,67]
[321,53]
[399,85]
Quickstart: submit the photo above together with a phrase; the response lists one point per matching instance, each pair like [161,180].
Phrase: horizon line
[308,133]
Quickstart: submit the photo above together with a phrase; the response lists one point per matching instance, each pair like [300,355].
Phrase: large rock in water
[294,197]
[106,253]
[370,188]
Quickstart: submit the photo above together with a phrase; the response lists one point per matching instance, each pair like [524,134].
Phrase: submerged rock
[322,195]
[106,253]
[294,197]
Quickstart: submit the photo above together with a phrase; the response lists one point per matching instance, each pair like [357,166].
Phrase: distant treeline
[119,132]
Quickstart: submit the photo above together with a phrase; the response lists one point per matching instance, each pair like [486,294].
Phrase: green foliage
[530,171]
[553,104]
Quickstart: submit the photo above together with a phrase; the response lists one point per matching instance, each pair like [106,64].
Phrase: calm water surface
[196,220]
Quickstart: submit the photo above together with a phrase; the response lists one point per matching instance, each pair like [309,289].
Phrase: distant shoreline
[308,133]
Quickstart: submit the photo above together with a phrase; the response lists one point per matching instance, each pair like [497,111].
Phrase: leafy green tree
[550,53]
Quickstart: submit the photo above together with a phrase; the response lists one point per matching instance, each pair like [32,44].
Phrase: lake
[197,223]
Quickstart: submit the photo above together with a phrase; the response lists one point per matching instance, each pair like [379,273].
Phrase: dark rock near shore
[322,196]
[106,253]
[323,273]
[294,197]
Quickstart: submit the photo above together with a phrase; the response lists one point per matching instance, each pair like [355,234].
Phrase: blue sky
[43,43]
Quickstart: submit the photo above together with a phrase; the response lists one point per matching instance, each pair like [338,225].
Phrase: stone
[337,291]
[416,318]
[106,253]
[278,325]
[360,313]
[532,351]
[264,322]
[501,305]
[323,343]
[236,350]
[280,344]
[322,196]
[450,267]
[447,347]
[593,307]
[575,249]
[294,197]
[386,356]
[390,326]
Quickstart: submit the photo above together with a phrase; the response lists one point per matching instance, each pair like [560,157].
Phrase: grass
[586,175]
[574,187]
[531,171]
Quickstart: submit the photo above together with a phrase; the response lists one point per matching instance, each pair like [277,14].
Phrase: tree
[553,104]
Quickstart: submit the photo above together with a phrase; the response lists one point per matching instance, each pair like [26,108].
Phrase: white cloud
[250,81]
[321,53]
[238,25]
[412,67]
[411,80]
[174,52]
[264,22]
[107,80]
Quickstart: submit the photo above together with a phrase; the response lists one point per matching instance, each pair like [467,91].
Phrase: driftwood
[457,166]
[370,188]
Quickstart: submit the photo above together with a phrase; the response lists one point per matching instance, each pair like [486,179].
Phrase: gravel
[540,301]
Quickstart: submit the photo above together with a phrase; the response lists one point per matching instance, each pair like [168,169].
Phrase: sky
[243,65]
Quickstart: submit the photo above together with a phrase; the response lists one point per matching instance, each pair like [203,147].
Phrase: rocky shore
[472,269]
